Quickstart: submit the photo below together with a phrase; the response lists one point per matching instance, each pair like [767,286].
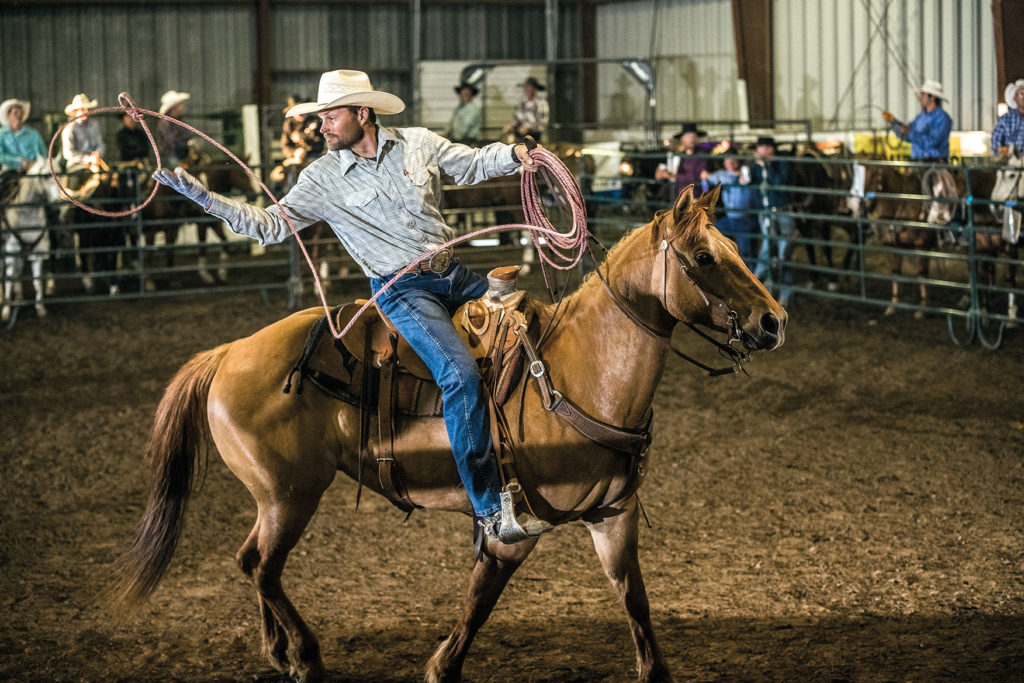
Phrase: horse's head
[867,181]
[702,279]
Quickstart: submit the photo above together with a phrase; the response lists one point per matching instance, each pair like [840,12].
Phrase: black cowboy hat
[690,128]
[532,81]
[765,140]
[472,88]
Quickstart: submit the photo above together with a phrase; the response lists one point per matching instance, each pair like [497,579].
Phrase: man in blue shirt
[928,133]
[1009,130]
[20,145]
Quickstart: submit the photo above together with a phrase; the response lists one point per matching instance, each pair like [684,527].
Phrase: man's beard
[347,141]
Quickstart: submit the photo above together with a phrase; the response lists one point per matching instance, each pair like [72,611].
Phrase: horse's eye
[704,259]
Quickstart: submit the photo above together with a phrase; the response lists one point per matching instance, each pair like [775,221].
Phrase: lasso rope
[562,251]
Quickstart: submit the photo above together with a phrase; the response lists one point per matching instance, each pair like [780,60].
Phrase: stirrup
[514,527]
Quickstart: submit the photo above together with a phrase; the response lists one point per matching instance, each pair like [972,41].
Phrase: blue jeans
[776,230]
[420,305]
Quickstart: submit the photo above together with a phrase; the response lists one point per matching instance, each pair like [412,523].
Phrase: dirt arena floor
[852,511]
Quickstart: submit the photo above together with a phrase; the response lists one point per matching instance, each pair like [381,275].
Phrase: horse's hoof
[889,310]
[41,310]
[918,315]
[5,314]
[205,276]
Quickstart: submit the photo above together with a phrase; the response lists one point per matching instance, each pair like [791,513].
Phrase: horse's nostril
[770,324]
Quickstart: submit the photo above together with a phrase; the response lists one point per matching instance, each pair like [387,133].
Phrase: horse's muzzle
[767,334]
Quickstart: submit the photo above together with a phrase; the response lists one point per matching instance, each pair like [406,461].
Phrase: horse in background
[27,235]
[223,176]
[828,182]
[873,179]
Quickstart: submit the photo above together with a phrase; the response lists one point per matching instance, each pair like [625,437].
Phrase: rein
[727,349]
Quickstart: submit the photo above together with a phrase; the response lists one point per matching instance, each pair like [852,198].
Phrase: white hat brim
[91,104]
[5,106]
[165,106]
[1008,94]
[380,102]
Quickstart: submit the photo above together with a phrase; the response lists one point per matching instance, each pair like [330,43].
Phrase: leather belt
[438,263]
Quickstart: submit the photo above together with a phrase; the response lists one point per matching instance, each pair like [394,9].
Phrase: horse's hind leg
[288,642]
[615,539]
[494,567]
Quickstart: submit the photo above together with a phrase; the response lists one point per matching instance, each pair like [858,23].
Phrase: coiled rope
[562,251]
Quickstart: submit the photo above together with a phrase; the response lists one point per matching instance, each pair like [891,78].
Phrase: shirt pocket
[426,186]
[358,198]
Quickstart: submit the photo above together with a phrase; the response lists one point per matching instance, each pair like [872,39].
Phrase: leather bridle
[711,300]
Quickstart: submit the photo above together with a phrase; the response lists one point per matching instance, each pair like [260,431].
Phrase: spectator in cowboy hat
[172,139]
[532,113]
[777,225]
[464,126]
[684,167]
[81,142]
[378,188]
[1009,130]
[928,133]
[20,145]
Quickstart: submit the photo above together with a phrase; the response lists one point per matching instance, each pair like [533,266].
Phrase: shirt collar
[385,138]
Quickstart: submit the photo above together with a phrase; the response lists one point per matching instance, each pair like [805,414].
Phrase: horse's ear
[683,203]
[710,200]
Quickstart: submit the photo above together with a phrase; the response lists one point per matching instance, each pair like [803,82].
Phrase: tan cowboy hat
[933,88]
[81,101]
[341,88]
[26,106]
[1008,95]
[171,98]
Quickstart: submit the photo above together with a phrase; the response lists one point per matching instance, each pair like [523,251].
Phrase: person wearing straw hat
[20,145]
[379,188]
[172,139]
[532,113]
[1008,135]
[81,142]
[464,125]
[928,133]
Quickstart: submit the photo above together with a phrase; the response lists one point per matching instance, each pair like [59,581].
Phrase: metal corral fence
[868,243]
[811,244]
[75,256]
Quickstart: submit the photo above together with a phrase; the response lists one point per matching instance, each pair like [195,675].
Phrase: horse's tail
[179,433]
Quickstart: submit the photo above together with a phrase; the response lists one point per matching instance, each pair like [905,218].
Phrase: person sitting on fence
[928,133]
[172,139]
[464,126]
[20,145]
[132,142]
[736,198]
[777,226]
[81,142]
[533,112]
[1008,135]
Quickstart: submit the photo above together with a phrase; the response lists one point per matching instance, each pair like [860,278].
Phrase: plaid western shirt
[1009,130]
[385,211]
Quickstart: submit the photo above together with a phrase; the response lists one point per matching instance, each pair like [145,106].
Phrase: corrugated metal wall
[840,62]
[51,53]
[694,54]
[837,62]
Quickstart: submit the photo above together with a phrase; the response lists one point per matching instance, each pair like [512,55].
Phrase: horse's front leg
[494,567]
[615,539]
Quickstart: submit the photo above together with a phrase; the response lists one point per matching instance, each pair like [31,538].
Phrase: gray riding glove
[185,184]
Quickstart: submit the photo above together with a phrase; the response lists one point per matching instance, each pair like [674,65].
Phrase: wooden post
[752,27]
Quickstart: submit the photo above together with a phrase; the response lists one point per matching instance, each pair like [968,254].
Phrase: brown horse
[884,179]
[287,448]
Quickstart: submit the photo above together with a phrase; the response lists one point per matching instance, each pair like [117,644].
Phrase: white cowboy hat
[341,88]
[6,105]
[1008,95]
[170,98]
[81,101]
[933,88]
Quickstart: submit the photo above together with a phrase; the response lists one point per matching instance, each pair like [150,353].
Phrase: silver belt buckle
[440,261]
